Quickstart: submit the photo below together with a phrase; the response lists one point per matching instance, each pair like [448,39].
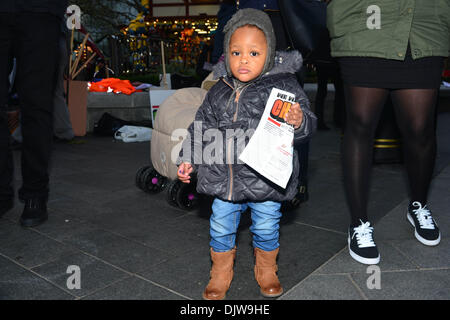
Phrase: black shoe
[426,229]
[361,246]
[5,206]
[34,212]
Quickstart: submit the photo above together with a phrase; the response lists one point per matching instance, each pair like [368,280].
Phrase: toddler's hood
[252,17]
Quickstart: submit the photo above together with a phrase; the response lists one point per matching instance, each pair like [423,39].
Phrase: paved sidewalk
[132,245]
[409,270]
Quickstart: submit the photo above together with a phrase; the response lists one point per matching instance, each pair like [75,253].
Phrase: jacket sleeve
[192,147]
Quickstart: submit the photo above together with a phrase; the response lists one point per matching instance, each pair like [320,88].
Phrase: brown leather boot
[266,272]
[221,274]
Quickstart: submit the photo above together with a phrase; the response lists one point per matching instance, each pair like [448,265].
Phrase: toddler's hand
[184,171]
[294,116]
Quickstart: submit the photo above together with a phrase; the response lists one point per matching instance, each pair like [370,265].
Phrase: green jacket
[385,32]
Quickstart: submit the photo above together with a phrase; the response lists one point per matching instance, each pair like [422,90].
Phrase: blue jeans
[225,219]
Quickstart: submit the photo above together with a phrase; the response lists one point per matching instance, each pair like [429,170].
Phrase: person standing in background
[394,48]
[30,32]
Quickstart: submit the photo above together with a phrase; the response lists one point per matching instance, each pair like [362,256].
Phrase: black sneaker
[361,246]
[34,212]
[426,229]
[5,206]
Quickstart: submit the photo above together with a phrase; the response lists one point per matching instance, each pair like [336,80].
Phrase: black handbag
[306,25]
[107,125]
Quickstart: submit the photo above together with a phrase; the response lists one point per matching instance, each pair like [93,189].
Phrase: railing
[142,55]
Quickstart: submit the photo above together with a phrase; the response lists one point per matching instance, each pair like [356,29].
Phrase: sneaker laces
[423,215]
[364,235]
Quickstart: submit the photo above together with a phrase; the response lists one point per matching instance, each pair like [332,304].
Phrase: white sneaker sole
[362,259]
[418,237]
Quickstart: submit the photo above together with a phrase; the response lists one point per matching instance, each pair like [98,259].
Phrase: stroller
[177,111]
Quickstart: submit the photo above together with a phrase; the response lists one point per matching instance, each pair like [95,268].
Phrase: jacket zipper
[230,166]
[229,150]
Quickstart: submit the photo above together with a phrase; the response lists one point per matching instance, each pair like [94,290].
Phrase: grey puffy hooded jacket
[238,182]
[235,109]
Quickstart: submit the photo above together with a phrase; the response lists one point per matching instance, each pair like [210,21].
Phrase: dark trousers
[325,72]
[302,147]
[303,157]
[32,38]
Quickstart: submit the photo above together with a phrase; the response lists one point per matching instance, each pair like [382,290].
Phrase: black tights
[415,113]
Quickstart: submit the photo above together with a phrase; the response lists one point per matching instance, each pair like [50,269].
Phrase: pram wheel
[187,196]
[182,195]
[172,189]
[153,182]
[138,179]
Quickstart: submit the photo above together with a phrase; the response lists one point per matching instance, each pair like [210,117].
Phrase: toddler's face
[247,53]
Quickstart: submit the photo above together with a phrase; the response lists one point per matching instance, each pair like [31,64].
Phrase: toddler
[235,104]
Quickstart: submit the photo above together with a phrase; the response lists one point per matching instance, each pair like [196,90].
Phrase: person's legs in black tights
[323,74]
[415,111]
[363,109]
[339,100]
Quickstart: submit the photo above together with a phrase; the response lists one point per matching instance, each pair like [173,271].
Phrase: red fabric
[117,86]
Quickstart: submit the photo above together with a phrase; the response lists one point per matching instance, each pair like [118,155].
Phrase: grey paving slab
[302,250]
[443,140]
[327,205]
[134,288]
[95,196]
[324,287]
[137,203]
[408,285]
[116,250]
[425,256]
[60,225]
[187,274]
[28,247]
[439,202]
[14,214]
[390,259]
[77,208]
[104,180]
[70,229]
[148,231]
[94,274]
[195,223]
[394,225]
[19,283]
[445,173]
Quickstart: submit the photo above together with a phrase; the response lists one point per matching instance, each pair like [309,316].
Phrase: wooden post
[71,49]
[80,53]
[163,65]
[84,65]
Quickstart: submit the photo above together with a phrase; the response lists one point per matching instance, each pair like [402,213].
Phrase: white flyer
[270,149]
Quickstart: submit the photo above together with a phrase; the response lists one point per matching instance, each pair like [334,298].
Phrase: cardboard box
[77,104]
